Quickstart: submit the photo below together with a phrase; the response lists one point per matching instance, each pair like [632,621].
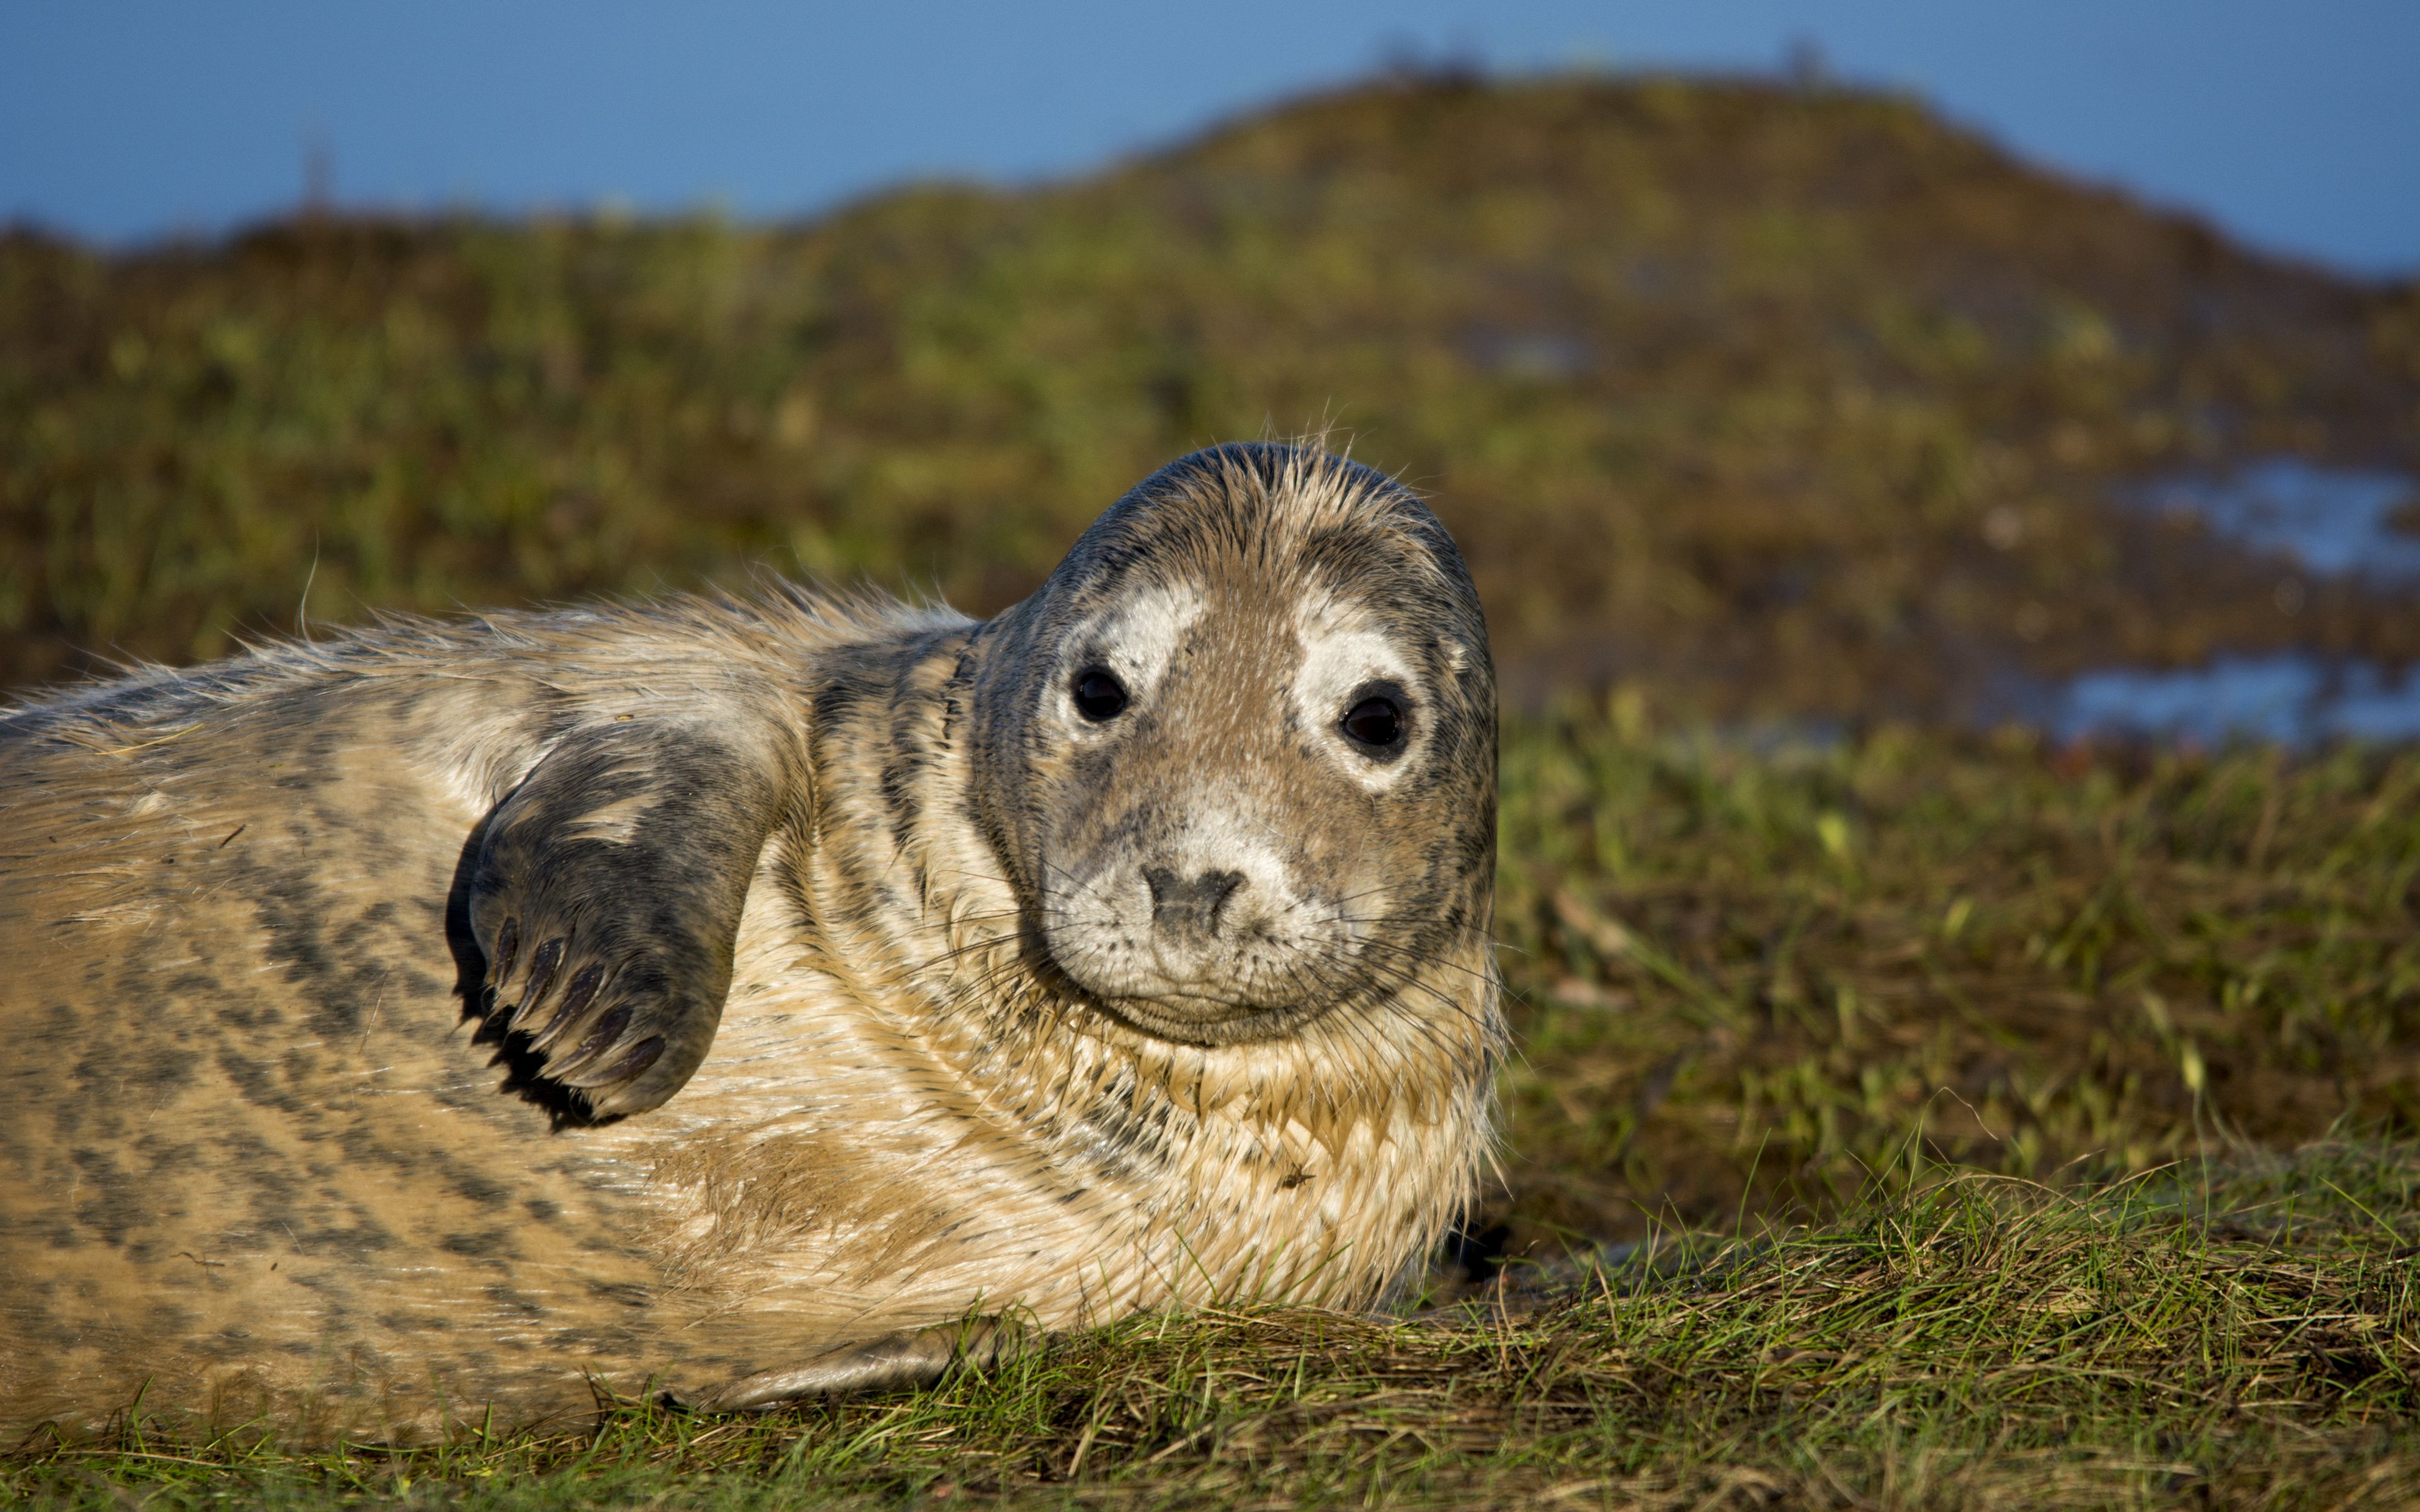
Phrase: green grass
[1751,978]
[2241,1335]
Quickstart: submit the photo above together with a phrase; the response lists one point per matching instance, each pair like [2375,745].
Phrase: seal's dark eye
[1098,695]
[1376,722]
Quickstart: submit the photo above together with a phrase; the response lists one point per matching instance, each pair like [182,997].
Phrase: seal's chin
[1209,1023]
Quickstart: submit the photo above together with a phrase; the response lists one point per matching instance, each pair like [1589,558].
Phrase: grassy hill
[1773,401]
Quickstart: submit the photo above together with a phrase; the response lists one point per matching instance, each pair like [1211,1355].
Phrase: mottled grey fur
[730,997]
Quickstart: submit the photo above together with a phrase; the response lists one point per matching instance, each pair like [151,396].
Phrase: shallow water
[2292,697]
[2335,521]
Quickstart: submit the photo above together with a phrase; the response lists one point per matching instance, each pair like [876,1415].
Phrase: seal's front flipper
[914,1358]
[607,898]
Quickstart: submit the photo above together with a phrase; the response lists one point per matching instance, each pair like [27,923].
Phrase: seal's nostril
[1162,882]
[1194,905]
[1215,888]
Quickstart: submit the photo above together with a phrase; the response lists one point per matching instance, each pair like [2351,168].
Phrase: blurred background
[1799,362]
[1942,477]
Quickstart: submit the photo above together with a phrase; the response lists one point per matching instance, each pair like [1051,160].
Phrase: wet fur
[270,1144]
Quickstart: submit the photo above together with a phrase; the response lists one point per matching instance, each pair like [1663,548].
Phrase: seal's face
[1253,748]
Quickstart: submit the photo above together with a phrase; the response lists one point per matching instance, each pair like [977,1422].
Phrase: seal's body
[747,1000]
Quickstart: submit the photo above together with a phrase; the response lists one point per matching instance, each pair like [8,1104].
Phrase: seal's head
[1240,752]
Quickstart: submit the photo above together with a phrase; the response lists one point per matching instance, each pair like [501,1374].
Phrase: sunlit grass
[2241,1334]
[1753,977]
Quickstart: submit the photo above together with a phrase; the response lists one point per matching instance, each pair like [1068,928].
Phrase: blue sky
[2295,124]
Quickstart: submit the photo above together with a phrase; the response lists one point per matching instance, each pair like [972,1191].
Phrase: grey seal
[742,998]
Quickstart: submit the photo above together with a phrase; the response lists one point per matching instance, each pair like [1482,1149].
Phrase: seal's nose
[1182,907]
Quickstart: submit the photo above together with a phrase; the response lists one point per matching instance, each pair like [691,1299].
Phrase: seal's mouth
[1210,1022]
[1201,1007]
[1204,1015]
